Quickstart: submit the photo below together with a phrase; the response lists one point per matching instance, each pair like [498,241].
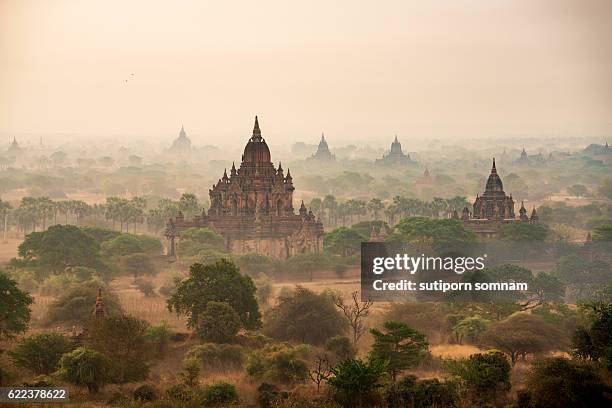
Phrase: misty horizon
[360,73]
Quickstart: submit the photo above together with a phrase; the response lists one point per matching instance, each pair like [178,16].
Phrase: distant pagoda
[323,154]
[494,208]
[182,144]
[395,155]
[14,149]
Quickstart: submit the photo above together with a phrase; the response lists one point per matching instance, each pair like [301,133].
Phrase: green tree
[195,240]
[340,348]
[61,246]
[527,237]
[375,206]
[399,345]
[558,383]
[583,276]
[355,382]
[123,341]
[593,340]
[218,323]
[343,241]
[5,207]
[138,264]
[483,374]
[122,245]
[158,337]
[305,317]
[444,234]
[606,188]
[578,190]
[220,394]
[522,334]
[14,308]
[470,328]
[189,205]
[41,352]
[84,367]
[603,233]
[409,392]
[256,264]
[279,363]
[219,282]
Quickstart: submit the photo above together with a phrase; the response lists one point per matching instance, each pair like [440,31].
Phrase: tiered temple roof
[395,155]
[323,153]
[252,208]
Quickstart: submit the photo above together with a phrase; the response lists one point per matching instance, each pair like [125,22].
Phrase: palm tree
[44,207]
[438,205]
[375,206]
[4,209]
[330,204]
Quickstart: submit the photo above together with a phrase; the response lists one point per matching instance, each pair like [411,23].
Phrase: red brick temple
[252,209]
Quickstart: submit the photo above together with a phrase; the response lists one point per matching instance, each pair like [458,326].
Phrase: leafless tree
[354,312]
[321,371]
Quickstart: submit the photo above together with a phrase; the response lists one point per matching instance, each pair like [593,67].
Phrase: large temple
[494,208]
[252,209]
[395,155]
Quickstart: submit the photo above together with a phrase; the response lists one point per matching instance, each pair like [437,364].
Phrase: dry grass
[8,249]
[453,350]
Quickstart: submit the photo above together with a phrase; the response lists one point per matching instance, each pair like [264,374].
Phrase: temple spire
[256,130]
[493,169]
[99,308]
[323,137]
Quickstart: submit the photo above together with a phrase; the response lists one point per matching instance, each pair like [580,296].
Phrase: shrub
[304,317]
[41,381]
[470,329]
[145,393]
[138,264]
[409,392]
[158,337]
[559,382]
[279,364]
[256,264]
[483,373]
[84,367]
[180,392]
[355,382]
[220,393]
[191,372]
[41,352]
[218,356]
[340,348]
[218,323]
[145,286]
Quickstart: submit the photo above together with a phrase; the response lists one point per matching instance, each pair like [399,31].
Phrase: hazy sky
[357,70]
